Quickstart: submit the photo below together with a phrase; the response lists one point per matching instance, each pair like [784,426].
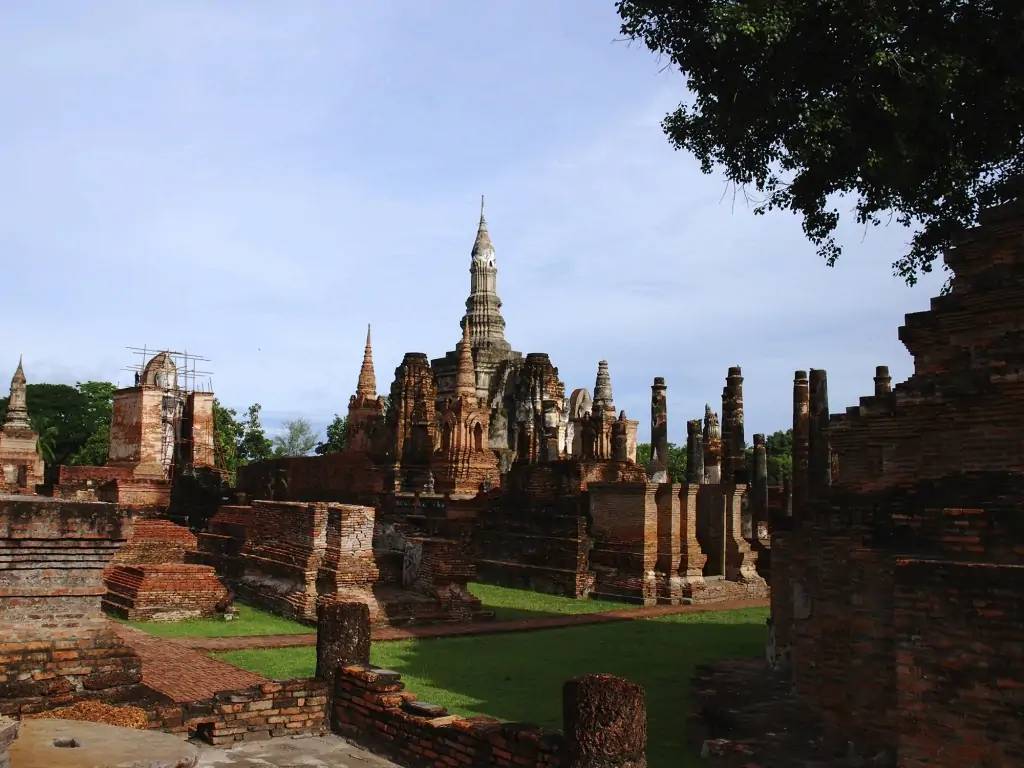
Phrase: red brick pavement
[478,628]
[181,673]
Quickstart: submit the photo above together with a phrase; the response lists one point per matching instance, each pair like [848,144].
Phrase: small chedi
[21,467]
[903,561]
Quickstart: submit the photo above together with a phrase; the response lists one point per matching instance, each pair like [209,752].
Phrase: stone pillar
[694,453]
[657,470]
[819,466]
[883,381]
[733,440]
[759,483]
[342,637]
[8,733]
[712,447]
[605,722]
[801,437]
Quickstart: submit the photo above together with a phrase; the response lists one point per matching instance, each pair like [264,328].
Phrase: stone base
[74,744]
[163,592]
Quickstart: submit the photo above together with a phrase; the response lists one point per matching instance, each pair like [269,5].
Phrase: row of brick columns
[604,717]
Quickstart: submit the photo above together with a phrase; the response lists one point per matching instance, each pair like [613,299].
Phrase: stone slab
[98,746]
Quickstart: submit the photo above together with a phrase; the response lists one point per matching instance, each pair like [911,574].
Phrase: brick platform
[163,592]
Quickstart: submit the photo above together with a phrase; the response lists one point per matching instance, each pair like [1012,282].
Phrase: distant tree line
[778,445]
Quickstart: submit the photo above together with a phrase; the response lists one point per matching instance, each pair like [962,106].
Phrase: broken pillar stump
[342,638]
[605,722]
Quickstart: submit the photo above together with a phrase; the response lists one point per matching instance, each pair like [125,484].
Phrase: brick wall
[57,647]
[373,708]
[350,477]
[906,572]
[272,709]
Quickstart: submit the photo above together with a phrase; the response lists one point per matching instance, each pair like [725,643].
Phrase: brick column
[739,558]
[342,638]
[605,722]
[691,556]
[801,436]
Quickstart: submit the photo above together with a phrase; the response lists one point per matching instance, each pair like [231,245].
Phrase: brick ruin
[540,490]
[58,647]
[160,431]
[902,563]
[156,577]
[21,468]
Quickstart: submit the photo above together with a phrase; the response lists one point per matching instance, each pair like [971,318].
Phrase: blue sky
[256,181]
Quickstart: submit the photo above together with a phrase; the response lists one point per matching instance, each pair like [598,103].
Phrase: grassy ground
[250,621]
[519,676]
[506,603]
[509,604]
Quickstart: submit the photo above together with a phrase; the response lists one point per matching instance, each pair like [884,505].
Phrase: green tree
[227,435]
[676,460]
[254,444]
[915,110]
[71,418]
[298,439]
[779,450]
[337,436]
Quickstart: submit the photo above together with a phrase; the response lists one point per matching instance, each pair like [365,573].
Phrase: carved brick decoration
[58,646]
[412,422]
[465,462]
[905,569]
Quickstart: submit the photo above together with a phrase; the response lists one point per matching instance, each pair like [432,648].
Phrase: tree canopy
[915,110]
[73,423]
[337,436]
[298,439]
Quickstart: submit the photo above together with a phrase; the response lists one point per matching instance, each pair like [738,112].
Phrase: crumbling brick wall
[373,708]
[272,709]
[57,645]
[906,571]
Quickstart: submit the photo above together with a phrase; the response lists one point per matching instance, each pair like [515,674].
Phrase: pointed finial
[367,384]
[481,206]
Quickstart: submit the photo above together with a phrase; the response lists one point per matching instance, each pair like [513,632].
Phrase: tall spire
[483,307]
[367,386]
[465,375]
[17,405]
[603,387]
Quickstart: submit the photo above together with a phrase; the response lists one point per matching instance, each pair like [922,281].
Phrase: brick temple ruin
[481,453]
[898,576]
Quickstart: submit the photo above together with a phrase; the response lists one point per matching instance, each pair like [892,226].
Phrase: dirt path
[457,630]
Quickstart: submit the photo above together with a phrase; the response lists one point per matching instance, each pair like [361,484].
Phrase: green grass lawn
[519,676]
[509,604]
[506,603]
[250,621]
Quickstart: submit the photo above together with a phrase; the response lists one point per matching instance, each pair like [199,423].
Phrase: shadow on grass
[519,676]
